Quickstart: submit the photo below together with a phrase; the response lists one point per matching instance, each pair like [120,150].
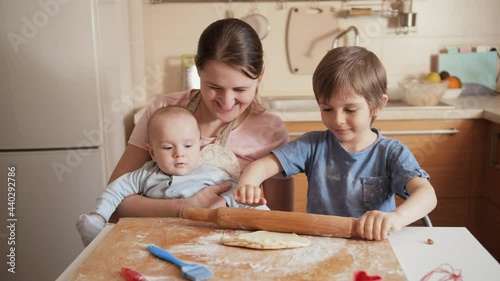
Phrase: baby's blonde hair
[170,111]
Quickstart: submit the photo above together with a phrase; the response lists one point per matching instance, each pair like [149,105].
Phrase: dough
[266,240]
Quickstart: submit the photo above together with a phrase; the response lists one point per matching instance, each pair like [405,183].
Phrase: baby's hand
[249,195]
[377,225]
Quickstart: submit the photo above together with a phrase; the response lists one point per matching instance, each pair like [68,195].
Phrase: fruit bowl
[452,93]
[422,92]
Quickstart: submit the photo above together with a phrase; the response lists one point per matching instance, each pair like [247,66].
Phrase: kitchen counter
[489,104]
[469,107]
[454,246]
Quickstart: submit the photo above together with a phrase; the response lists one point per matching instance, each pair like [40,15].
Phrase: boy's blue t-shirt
[348,184]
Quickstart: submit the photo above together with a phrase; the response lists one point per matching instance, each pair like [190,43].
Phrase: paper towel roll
[190,78]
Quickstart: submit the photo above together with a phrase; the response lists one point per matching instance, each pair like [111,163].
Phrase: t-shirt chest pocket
[375,190]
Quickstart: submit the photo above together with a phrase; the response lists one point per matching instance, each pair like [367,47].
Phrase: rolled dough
[266,240]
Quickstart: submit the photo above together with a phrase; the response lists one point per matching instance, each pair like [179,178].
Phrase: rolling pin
[278,221]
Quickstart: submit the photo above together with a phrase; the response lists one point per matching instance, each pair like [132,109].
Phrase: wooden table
[405,256]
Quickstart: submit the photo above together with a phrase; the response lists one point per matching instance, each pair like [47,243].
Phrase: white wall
[171,29]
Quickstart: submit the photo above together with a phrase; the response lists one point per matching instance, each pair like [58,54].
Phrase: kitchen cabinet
[442,147]
[485,207]
[493,166]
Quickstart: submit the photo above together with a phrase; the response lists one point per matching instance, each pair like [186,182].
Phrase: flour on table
[304,263]
[266,240]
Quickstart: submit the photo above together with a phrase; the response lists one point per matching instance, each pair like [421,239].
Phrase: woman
[230,64]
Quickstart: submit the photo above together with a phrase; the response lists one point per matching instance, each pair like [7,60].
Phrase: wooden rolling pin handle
[195,214]
[279,221]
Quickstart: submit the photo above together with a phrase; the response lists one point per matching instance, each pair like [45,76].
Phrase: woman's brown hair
[235,43]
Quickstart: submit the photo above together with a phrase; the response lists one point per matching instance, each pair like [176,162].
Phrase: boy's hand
[249,195]
[377,225]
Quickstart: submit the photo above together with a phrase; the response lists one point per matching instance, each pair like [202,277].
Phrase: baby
[174,172]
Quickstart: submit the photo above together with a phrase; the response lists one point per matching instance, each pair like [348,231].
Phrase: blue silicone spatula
[191,271]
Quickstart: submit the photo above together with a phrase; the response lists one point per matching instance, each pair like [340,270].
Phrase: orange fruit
[453,82]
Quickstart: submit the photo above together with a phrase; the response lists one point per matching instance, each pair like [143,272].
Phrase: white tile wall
[172,29]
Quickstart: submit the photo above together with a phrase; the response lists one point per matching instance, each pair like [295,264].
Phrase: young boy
[352,170]
[174,172]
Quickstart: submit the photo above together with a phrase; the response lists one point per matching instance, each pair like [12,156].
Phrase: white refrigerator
[52,134]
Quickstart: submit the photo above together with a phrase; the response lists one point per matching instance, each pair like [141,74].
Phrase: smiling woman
[227,95]
[230,64]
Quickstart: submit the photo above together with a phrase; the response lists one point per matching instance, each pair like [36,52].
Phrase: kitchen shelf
[351,8]
[389,13]
[376,8]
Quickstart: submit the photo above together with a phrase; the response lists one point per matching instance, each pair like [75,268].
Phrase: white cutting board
[310,33]
[480,68]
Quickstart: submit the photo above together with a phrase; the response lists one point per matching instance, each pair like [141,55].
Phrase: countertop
[468,107]
[453,246]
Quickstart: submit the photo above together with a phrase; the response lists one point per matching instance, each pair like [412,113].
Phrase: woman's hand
[209,197]
[249,195]
[377,225]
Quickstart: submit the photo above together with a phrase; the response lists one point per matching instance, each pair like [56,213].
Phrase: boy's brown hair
[353,68]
